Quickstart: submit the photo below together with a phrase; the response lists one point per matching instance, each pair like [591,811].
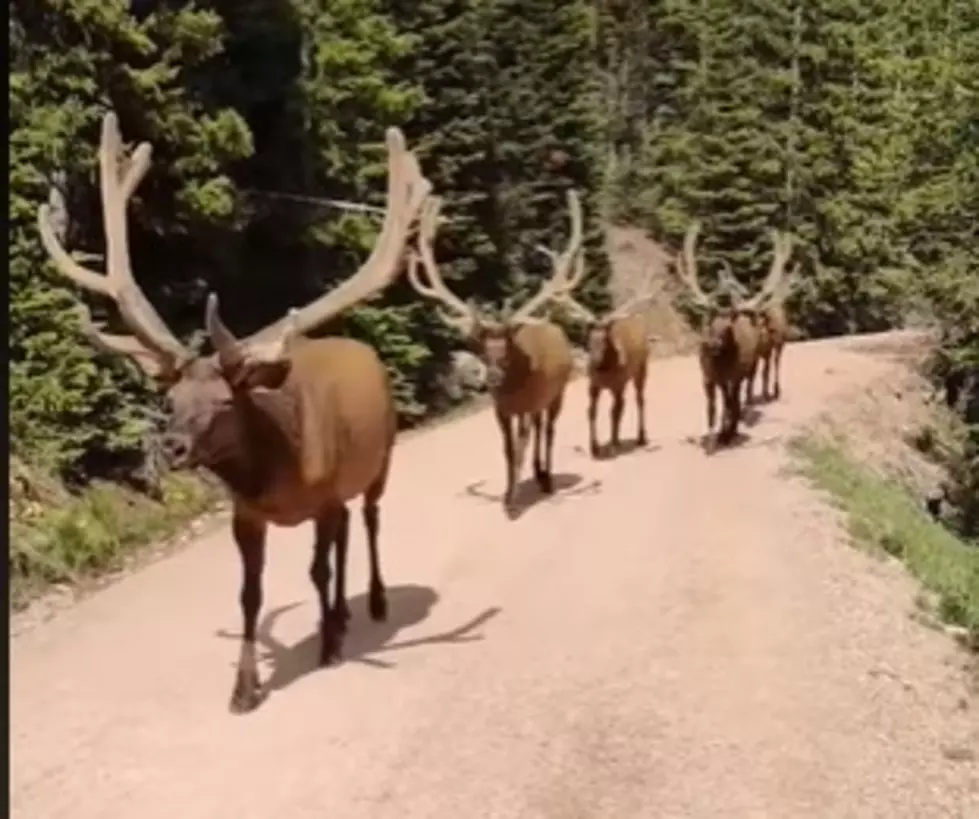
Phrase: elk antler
[153,346]
[463,317]
[565,298]
[563,295]
[406,193]
[686,267]
[561,264]
[726,280]
[783,252]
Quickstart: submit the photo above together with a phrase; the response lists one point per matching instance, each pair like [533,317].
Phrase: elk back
[546,369]
[348,415]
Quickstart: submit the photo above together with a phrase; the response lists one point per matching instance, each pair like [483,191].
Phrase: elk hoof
[378,606]
[596,450]
[329,646]
[341,614]
[641,440]
[247,693]
[545,483]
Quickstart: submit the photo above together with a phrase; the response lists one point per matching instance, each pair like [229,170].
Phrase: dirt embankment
[639,262]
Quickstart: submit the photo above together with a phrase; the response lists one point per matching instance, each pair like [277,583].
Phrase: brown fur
[773,332]
[295,428]
[733,337]
[528,362]
[618,352]
[528,368]
[727,352]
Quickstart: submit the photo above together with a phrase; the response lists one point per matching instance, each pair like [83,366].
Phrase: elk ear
[165,377]
[256,372]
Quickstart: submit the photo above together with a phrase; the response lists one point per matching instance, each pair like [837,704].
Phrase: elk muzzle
[495,375]
[177,449]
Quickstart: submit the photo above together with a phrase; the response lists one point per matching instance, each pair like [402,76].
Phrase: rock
[466,374]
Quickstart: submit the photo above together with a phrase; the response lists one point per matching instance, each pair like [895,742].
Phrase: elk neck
[267,443]
[518,367]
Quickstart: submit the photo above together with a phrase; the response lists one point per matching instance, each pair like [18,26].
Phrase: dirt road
[672,636]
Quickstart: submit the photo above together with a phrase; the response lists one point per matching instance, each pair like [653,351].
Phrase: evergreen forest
[852,125]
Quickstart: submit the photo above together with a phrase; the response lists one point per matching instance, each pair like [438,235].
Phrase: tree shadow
[528,494]
[407,606]
[606,452]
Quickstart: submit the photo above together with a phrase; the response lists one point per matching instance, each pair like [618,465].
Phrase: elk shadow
[711,448]
[710,445]
[528,494]
[408,605]
[606,452]
[751,414]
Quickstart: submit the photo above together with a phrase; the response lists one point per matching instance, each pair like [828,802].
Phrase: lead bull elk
[528,361]
[295,428]
[618,354]
[728,349]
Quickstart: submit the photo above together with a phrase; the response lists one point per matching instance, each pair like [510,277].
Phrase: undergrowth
[882,516]
[62,538]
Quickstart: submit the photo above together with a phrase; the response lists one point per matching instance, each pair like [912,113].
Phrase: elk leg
[341,610]
[733,411]
[766,371]
[618,407]
[749,396]
[523,437]
[377,600]
[777,367]
[539,466]
[328,527]
[249,536]
[593,394]
[553,412]
[710,391]
[506,428]
[640,384]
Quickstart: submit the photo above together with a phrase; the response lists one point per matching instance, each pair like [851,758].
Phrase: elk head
[215,401]
[494,339]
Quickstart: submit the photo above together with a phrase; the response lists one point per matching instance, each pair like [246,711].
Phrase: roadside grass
[58,538]
[883,517]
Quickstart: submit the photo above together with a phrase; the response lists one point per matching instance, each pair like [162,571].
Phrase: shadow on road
[528,494]
[606,452]
[710,446]
[407,606]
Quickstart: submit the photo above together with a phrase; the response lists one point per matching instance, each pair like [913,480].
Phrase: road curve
[671,636]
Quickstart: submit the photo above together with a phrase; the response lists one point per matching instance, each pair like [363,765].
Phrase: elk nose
[176,448]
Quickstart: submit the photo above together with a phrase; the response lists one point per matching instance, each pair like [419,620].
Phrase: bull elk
[294,427]
[528,361]
[618,353]
[772,321]
[729,344]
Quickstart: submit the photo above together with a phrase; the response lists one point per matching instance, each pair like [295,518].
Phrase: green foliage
[881,515]
[852,126]
[56,537]
[256,111]
[510,121]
